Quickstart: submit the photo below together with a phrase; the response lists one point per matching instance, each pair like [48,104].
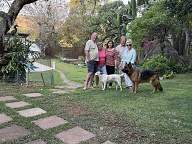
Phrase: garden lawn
[119,116]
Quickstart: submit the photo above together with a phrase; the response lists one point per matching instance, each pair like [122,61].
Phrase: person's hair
[129,41]
[109,42]
[99,43]
[122,37]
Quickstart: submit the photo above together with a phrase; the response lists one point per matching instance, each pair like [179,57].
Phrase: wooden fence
[72,53]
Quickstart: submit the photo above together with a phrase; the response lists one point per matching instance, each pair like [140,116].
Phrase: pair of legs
[110,70]
[128,82]
[101,69]
[92,67]
[119,70]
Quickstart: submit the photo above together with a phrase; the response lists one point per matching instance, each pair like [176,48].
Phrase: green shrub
[16,57]
[81,58]
[159,64]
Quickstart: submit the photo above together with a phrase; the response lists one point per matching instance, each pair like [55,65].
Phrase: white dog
[104,78]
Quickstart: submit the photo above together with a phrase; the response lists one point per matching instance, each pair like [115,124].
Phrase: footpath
[74,135]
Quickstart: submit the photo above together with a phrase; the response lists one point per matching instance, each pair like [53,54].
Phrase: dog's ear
[130,65]
[96,73]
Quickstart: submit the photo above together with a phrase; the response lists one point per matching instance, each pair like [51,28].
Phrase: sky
[5,5]
[124,1]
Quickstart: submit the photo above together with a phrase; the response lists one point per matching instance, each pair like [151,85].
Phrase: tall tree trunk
[134,8]
[178,41]
[187,43]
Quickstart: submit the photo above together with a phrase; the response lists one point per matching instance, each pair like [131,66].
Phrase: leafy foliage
[113,23]
[160,64]
[74,32]
[154,23]
[16,57]
[179,8]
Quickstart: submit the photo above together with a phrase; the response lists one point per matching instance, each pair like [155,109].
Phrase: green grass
[46,78]
[72,72]
[119,116]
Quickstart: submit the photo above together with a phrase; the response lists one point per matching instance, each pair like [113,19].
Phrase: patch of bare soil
[61,102]
[76,111]
[107,125]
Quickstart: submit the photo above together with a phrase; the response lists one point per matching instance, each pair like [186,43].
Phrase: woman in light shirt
[129,55]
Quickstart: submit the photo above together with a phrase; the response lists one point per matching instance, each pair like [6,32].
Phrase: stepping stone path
[31,112]
[72,136]
[50,122]
[33,95]
[4,118]
[7,98]
[36,142]
[13,132]
[108,142]
[62,91]
[17,104]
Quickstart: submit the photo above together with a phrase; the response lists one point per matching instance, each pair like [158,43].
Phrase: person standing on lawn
[91,52]
[111,59]
[102,61]
[120,48]
[129,55]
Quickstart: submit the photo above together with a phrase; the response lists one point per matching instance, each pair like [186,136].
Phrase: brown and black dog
[138,76]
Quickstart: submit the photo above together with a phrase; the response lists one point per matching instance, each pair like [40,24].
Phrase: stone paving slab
[39,141]
[33,95]
[50,122]
[73,87]
[60,87]
[7,98]
[74,135]
[13,132]
[108,142]
[17,104]
[4,118]
[63,91]
[31,112]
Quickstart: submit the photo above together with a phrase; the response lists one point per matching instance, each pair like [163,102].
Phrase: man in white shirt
[91,52]
[120,48]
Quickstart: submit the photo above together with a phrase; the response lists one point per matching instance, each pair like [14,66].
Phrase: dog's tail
[159,87]
[156,82]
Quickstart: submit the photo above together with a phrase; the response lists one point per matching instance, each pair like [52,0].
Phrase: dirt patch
[61,102]
[76,111]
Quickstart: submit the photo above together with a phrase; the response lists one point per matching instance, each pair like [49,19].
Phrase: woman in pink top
[111,59]
[102,61]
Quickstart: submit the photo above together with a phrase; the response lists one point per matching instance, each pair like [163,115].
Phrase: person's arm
[133,57]
[120,65]
[116,56]
[122,59]
[87,55]
[87,46]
